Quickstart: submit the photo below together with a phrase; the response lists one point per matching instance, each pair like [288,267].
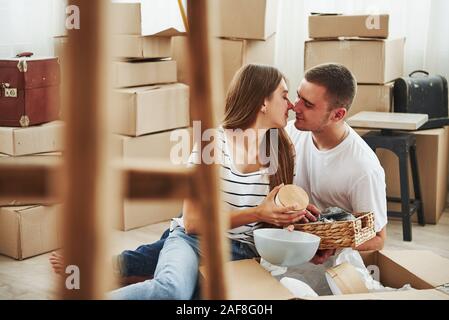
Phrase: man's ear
[340,113]
[263,108]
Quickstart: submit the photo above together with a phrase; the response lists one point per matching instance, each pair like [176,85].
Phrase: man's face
[311,107]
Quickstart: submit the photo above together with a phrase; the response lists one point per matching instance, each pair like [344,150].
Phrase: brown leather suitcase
[29,90]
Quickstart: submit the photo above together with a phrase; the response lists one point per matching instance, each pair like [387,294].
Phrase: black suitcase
[426,94]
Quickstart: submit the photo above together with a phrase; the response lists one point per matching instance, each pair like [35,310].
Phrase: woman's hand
[280,216]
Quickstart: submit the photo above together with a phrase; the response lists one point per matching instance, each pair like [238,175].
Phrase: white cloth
[353,257]
[298,288]
[348,176]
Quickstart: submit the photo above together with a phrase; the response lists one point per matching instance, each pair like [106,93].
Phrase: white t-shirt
[238,190]
[348,176]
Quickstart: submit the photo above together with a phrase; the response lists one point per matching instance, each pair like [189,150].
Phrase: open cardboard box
[423,270]
[147,18]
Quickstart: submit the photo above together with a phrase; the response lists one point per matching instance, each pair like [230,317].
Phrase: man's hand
[312,214]
[321,256]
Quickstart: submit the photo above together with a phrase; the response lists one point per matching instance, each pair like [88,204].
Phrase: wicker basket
[342,234]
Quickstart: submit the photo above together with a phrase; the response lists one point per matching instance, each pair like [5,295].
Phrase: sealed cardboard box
[433,157]
[371,61]
[141,73]
[47,137]
[249,19]
[342,25]
[423,270]
[137,214]
[29,230]
[372,97]
[143,110]
[134,46]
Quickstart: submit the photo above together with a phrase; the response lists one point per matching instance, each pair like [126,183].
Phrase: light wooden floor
[33,279]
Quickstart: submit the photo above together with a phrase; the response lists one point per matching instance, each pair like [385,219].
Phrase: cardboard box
[129,16]
[153,146]
[141,73]
[28,231]
[133,46]
[61,47]
[156,17]
[433,157]
[179,53]
[372,97]
[48,137]
[341,25]
[423,270]
[137,214]
[249,19]
[234,54]
[371,61]
[143,110]
[39,158]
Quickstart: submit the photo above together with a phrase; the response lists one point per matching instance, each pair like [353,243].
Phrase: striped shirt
[238,190]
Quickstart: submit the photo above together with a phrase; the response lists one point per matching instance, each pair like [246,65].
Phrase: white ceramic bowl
[285,248]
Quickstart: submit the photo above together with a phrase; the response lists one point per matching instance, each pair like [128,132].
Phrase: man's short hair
[339,82]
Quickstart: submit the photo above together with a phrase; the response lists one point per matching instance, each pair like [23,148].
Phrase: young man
[333,163]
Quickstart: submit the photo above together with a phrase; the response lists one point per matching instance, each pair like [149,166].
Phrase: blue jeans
[176,274]
[143,261]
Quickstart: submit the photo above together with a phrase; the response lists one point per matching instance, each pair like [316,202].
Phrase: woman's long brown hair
[251,85]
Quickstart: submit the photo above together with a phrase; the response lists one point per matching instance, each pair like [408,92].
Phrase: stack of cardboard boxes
[244,32]
[361,43]
[29,228]
[149,105]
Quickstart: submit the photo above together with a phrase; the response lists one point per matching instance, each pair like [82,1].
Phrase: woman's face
[277,106]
